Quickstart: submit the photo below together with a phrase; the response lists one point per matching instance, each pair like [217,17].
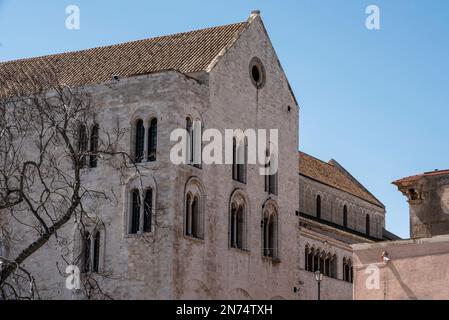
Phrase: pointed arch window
[91,250]
[91,254]
[83,142]
[190,144]
[240,154]
[334,267]
[152,140]
[135,212]
[141,216]
[193,216]
[310,252]
[316,260]
[94,146]
[271,180]
[347,270]
[194,133]
[96,252]
[139,141]
[270,234]
[148,211]
[237,226]
[86,252]
[188,209]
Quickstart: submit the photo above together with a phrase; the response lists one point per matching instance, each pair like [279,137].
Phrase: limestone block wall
[165,264]
[209,268]
[332,203]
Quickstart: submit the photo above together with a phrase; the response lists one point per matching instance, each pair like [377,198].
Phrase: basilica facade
[196,231]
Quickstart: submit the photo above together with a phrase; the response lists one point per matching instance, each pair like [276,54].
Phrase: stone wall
[415,271]
[166,264]
[333,202]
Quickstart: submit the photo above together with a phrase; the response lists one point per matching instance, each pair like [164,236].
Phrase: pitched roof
[186,52]
[330,175]
[419,176]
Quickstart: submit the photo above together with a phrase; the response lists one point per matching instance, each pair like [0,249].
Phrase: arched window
[270,232]
[318,206]
[322,259]
[306,258]
[237,227]
[139,141]
[196,217]
[194,132]
[194,209]
[148,211]
[345,216]
[327,265]
[83,141]
[152,140]
[188,206]
[96,252]
[239,160]
[347,270]
[316,260]
[86,252]
[333,271]
[311,254]
[367,225]
[271,180]
[193,216]
[135,212]
[94,146]
[91,246]
[140,218]
[237,224]
[190,146]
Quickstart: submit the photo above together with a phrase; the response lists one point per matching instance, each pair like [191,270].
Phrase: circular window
[257,72]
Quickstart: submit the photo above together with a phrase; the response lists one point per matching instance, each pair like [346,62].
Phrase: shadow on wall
[409,292]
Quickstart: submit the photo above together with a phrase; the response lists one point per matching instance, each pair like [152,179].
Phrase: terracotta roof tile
[419,176]
[185,52]
[328,174]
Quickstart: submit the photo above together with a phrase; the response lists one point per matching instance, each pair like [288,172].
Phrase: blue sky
[376,101]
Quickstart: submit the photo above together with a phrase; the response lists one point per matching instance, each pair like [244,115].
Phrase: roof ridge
[51,55]
[343,170]
[322,161]
[329,174]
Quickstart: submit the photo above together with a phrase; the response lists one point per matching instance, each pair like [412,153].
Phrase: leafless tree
[44,130]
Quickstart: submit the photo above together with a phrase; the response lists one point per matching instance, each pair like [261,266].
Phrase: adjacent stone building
[336,211]
[212,231]
[410,269]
